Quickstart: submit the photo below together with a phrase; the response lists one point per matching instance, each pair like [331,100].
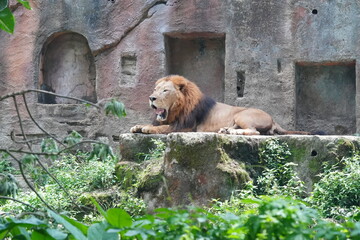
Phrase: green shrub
[275,219]
[337,194]
[75,173]
[288,219]
[154,153]
[5,164]
[279,176]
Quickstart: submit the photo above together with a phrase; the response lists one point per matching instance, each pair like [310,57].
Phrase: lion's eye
[165,90]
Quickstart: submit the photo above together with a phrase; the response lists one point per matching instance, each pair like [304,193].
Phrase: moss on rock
[151,175]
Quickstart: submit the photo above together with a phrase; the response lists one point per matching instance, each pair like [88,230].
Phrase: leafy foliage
[75,173]
[115,108]
[73,138]
[48,145]
[154,153]
[7,19]
[5,164]
[275,219]
[101,151]
[286,219]
[279,176]
[8,185]
[337,194]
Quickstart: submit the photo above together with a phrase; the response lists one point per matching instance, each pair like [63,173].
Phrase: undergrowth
[247,214]
[81,177]
[337,194]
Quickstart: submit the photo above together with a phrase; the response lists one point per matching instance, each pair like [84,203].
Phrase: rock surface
[198,167]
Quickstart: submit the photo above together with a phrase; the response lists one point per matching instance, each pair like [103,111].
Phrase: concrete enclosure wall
[295,59]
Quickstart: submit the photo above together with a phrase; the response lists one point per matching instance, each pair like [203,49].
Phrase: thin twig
[51,93]
[51,154]
[27,181]
[38,160]
[16,200]
[20,122]
[36,123]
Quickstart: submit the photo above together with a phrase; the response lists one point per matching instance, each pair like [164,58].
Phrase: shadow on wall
[67,68]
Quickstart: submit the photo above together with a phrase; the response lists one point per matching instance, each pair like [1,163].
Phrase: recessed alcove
[67,68]
[200,58]
[325,97]
[128,69]
[240,83]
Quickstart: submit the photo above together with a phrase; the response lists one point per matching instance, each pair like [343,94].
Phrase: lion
[180,106]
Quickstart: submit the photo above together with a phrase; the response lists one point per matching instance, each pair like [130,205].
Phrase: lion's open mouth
[161,113]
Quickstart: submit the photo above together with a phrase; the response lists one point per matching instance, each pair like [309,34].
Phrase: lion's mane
[191,107]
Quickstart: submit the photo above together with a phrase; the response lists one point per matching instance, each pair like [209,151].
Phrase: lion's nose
[152,98]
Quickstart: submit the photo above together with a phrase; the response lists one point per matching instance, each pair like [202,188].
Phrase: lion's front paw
[136,129]
[147,129]
[224,130]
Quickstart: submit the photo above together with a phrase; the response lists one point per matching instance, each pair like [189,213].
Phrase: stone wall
[296,59]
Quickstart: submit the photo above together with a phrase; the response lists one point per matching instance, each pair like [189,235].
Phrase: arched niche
[67,68]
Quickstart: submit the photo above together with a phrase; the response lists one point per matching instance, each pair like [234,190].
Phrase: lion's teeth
[160,111]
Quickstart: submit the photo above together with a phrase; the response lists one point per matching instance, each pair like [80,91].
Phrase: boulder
[198,167]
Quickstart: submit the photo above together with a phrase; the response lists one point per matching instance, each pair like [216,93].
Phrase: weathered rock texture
[198,167]
[296,59]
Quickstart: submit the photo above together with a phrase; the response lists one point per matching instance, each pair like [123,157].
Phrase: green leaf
[40,235]
[116,108]
[73,138]
[71,228]
[56,234]
[101,151]
[49,145]
[3,4]
[29,222]
[20,231]
[115,216]
[26,4]
[118,218]
[7,20]
[82,227]
[98,231]
[99,208]
[28,158]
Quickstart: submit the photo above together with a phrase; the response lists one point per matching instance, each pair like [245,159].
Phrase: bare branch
[36,123]
[16,200]
[51,154]
[20,122]
[27,181]
[51,93]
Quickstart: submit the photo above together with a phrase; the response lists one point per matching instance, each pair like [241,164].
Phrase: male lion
[180,106]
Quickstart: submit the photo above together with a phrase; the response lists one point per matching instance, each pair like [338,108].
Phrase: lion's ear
[181,87]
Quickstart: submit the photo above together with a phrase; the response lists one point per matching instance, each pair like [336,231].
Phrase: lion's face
[163,99]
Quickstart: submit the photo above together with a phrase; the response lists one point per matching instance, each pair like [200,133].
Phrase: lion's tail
[281,131]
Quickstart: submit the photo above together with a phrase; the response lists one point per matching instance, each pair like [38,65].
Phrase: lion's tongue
[159,111]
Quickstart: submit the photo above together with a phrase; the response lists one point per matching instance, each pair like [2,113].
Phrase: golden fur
[180,106]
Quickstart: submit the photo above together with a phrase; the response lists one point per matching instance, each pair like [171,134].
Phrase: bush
[337,194]
[75,173]
[275,219]
[279,177]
